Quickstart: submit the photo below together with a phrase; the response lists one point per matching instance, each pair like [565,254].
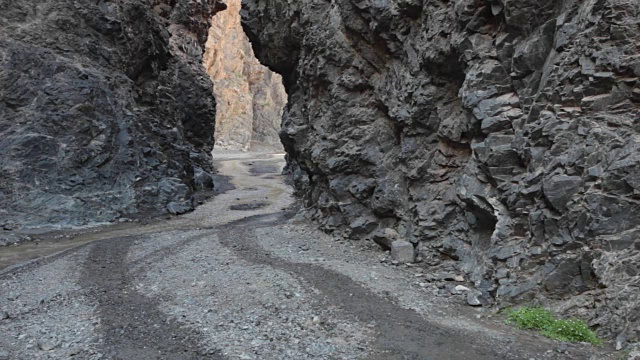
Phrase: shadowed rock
[499,134]
[105,109]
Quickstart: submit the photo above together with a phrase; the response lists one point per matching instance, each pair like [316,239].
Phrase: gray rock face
[105,109]
[501,134]
[559,190]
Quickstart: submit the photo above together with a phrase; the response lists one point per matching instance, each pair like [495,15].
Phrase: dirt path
[129,318]
[400,333]
[242,278]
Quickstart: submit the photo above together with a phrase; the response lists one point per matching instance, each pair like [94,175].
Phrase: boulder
[402,251]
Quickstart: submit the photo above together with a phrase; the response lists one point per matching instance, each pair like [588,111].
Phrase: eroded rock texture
[104,109]
[250,97]
[502,134]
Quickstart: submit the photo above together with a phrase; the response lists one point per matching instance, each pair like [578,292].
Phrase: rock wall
[105,110]
[251,98]
[499,137]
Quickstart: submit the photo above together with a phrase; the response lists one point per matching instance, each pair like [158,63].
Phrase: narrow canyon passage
[250,98]
[344,179]
[242,277]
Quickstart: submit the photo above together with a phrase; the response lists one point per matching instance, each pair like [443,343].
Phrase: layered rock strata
[251,98]
[500,135]
[105,110]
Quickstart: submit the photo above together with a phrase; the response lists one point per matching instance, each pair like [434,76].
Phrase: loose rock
[402,251]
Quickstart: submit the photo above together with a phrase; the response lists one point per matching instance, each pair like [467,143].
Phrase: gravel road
[242,277]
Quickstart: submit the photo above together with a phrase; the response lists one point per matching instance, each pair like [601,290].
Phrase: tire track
[133,327]
[402,334]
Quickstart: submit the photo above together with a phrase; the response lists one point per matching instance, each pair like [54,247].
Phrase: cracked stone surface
[499,136]
[105,110]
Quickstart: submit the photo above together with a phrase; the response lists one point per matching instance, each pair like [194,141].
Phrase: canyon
[490,145]
[238,278]
[250,98]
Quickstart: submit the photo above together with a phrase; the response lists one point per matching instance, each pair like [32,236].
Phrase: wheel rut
[402,333]
[132,325]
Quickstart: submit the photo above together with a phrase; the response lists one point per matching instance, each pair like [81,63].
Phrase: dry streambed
[240,278]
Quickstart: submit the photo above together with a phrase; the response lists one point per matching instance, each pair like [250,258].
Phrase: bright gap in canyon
[250,98]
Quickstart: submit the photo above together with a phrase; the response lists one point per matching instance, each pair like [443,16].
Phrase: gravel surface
[254,284]
[251,311]
[49,314]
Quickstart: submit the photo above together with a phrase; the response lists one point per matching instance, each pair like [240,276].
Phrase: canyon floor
[242,277]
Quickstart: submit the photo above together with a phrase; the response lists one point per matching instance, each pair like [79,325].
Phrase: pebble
[48,345]
[475,298]
[4,315]
[562,348]
[4,355]
[447,277]
[635,354]
[73,352]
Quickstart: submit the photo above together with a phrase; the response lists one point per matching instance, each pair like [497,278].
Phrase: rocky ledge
[105,109]
[500,137]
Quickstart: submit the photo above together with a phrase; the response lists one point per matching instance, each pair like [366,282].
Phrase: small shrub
[536,318]
[572,330]
[530,318]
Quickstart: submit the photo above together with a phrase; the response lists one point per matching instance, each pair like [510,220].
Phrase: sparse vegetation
[537,318]
[573,330]
[530,318]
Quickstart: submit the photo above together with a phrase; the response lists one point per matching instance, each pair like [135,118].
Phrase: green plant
[537,318]
[573,330]
[530,318]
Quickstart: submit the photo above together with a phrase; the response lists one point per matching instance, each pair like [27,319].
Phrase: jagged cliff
[500,137]
[251,98]
[105,109]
